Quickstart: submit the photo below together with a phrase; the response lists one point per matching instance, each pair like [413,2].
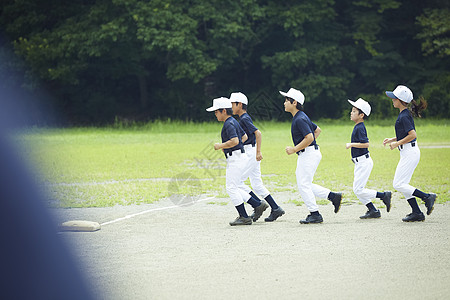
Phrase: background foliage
[94,62]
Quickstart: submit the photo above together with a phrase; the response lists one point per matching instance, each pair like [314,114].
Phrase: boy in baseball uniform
[252,147]
[232,146]
[304,134]
[363,162]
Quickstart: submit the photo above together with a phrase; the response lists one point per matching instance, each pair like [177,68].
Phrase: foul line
[152,210]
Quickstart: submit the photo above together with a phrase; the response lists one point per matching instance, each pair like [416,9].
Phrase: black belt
[413,144]
[316,147]
[353,159]
[228,154]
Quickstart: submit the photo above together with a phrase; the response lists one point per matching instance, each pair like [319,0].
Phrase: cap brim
[391,95]
[212,108]
[237,100]
[351,102]
[283,93]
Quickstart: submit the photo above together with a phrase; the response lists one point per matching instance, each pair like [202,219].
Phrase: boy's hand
[393,145]
[259,156]
[216,146]
[290,150]
[348,145]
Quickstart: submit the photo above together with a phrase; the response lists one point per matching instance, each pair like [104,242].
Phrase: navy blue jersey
[359,135]
[247,124]
[232,129]
[301,127]
[404,124]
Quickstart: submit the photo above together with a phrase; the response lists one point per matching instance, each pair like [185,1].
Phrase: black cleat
[312,219]
[274,214]
[429,202]
[387,200]
[337,202]
[241,221]
[414,217]
[371,214]
[258,211]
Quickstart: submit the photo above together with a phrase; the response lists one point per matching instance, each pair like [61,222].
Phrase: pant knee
[231,189]
[357,190]
[398,186]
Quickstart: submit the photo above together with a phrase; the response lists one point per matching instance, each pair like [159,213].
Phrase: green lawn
[95,167]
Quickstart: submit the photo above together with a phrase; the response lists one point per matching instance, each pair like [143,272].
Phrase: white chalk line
[435,146]
[110,182]
[152,210]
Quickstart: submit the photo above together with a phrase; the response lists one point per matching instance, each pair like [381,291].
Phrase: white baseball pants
[307,164]
[409,159]
[235,164]
[253,170]
[363,168]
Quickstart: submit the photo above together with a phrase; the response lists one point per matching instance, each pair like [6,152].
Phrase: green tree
[94,47]
[159,59]
[435,32]
[435,37]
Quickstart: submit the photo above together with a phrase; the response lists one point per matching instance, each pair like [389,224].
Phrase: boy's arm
[244,138]
[228,144]
[356,145]
[258,138]
[307,140]
[317,132]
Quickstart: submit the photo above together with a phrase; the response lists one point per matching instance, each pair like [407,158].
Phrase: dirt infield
[191,252]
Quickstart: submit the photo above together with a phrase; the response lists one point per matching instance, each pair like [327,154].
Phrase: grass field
[97,167]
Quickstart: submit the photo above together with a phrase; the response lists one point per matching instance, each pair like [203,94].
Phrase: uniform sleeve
[314,126]
[239,131]
[408,124]
[231,132]
[362,135]
[248,126]
[303,127]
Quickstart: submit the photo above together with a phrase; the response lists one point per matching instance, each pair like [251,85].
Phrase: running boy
[363,162]
[232,136]
[252,147]
[304,134]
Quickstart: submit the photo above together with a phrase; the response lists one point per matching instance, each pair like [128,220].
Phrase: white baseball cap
[220,103]
[362,105]
[294,94]
[401,92]
[238,97]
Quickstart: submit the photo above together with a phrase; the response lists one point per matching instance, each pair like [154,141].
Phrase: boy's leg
[361,176]
[256,180]
[260,189]
[233,176]
[320,191]
[257,183]
[306,167]
[245,168]
[361,173]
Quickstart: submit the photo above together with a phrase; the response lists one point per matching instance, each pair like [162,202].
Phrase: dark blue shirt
[301,127]
[232,129]
[404,124]
[247,124]
[359,135]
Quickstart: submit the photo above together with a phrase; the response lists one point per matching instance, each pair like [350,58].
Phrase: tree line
[95,61]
